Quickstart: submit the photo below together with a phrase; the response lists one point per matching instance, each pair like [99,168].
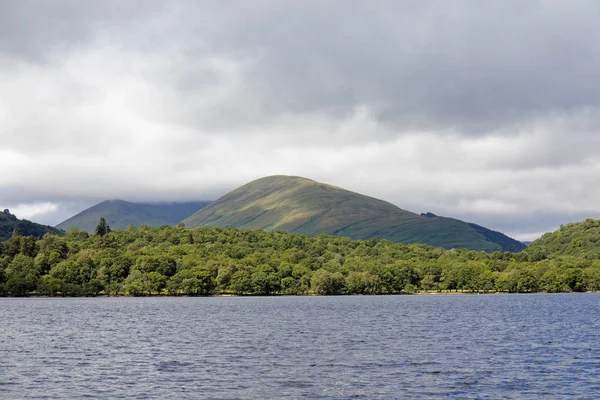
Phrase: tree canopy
[204,261]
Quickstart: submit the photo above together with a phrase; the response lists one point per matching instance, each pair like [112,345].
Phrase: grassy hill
[120,214]
[579,240]
[8,222]
[301,205]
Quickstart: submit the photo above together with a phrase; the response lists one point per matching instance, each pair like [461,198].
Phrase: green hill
[300,205]
[579,240]
[9,222]
[120,214]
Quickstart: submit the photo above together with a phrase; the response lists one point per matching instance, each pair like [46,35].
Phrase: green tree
[21,276]
[140,283]
[554,281]
[290,286]
[192,282]
[241,282]
[163,264]
[507,281]
[362,283]
[527,282]
[591,279]
[265,281]
[28,246]
[102,228]
[324,282]
[396,276]
[49,286]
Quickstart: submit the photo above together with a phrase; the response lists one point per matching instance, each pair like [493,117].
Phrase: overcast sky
[488,111]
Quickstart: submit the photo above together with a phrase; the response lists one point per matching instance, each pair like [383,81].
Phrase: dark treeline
[206,261]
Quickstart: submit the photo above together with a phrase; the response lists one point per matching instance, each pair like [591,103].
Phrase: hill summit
[8,223]
[577,240]
[299,205]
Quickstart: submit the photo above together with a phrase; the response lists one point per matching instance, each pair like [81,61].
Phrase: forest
[224,261]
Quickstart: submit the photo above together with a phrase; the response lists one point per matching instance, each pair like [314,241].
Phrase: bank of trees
[205,261]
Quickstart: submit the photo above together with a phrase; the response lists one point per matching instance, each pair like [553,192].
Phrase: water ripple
[484,347]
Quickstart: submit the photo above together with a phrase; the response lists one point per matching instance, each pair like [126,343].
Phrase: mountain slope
[8,222]
[300,205]
[120,214]
[507,243]
[580,240]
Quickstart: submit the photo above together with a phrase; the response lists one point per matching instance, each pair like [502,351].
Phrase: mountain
[579,240]
[8,222]
[301,205]
[507,243]
[120,214]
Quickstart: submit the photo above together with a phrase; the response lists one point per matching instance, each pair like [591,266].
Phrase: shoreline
[292,295]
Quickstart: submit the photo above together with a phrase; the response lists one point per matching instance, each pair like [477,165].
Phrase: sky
[483,111]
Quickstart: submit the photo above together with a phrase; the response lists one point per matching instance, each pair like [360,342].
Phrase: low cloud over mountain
[484,111]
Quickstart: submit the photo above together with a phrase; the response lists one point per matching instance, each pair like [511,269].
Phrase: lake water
[454,346]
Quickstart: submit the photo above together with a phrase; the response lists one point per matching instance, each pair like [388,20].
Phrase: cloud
[28,211]
[487,111]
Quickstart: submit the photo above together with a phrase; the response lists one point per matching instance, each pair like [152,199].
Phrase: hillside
[507,243]
[8,222]
[120,214]
[579,240]
[301,205]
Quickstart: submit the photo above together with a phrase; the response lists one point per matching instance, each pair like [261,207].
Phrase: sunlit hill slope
[301,205]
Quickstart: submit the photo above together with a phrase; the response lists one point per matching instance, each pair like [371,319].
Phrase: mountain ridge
[119,214]
[300,205]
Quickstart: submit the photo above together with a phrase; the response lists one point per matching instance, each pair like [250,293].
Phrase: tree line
[206,261]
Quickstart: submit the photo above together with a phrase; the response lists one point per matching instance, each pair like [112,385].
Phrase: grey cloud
[471,66]
[35,29]
[468,67]
[184,100]
[558,141]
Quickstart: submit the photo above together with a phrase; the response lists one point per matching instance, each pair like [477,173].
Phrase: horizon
[484,112]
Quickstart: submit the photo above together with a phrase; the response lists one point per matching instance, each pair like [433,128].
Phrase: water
[463,346]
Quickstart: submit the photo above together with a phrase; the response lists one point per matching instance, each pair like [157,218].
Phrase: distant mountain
[8,222]
[301,205]
[579,240]
[507,243]
[120,214]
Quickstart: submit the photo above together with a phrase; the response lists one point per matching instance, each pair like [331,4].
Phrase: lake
[425,346]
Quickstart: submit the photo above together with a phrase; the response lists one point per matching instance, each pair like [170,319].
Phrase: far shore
[419,293]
